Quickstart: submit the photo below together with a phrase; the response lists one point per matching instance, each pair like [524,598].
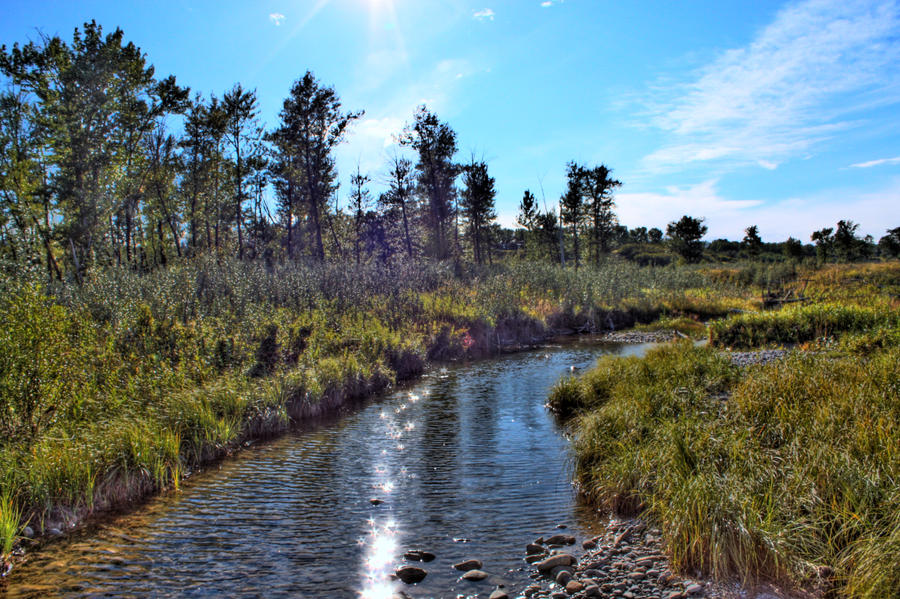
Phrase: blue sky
[781,114]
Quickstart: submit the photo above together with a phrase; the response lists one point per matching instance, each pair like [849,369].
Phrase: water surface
[467,461]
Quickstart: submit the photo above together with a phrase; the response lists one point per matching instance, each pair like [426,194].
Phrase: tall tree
[824,241]
[400,194]
[846,243]
[360,200]
[312,125]
[478,206]
[242,134]
[597,185]
[572,208]
[752,240]
[435,143]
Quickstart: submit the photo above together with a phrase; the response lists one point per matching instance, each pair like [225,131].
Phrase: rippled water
[467,461]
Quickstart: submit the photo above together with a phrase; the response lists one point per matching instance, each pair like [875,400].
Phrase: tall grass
[113,388]
[783,471]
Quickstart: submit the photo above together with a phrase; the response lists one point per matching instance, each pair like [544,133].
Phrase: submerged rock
[418,555]
[475,575]
[561,540]
[469,564]
[411,574]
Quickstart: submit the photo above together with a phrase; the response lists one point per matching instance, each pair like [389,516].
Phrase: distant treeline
[93,173]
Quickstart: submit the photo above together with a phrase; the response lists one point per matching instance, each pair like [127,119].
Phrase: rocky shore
[625,562]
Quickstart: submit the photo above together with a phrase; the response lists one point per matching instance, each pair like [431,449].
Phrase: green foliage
[684,237]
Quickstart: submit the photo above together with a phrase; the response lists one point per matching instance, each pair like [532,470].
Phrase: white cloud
[485,14]
[878,162]
[777,220]
[549,3]
[804,78]
[700,200]
[277,18]
[767,164]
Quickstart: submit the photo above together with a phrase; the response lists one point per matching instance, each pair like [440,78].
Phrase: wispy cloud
[485,14]
[878,162]
[808,76]
[549,3]
[277,18]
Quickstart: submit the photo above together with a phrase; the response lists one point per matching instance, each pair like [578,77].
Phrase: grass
[787,471]
[114,389]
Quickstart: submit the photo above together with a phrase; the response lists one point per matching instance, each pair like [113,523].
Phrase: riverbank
[761,466]
[143,379]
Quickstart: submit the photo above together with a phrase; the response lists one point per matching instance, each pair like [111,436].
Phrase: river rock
[534,548]
[693,589]
[376,501]
[563,577]
[469,564]
[534,558]
[28,532]
[475,575]
[411,574]
[499,594]
[560,559]
[561,540]
[589,544]
[592,590]
[573,586]
[417,555]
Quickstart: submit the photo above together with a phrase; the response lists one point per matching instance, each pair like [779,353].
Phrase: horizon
[782,116]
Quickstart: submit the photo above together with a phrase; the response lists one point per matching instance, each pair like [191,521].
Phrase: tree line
[104,164]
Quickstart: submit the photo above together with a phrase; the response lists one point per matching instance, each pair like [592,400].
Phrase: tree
[478,206]
[655,235]
[94,103]
[527,211]
[752,241]
[846,243]
[360,199]
[793,249]
[890,243]
[597,185]
[547,227]
[435,143]
[312,125]
[572,209]
[242,132]
[824,241]
[400,194]
[685,235]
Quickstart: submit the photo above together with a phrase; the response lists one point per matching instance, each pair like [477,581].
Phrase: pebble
[498,594]
[475,575]
[376,501]
[469,564]
[560,559]
[561,540]
[746,358]
[693,589]
[573,586]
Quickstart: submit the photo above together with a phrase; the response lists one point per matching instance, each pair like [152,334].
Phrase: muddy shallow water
[467,462]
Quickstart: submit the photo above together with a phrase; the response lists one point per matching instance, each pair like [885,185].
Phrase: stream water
[467,461]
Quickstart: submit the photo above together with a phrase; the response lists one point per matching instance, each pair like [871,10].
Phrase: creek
[467,462]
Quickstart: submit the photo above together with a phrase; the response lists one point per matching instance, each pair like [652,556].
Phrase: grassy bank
[787,471]
[116,388]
